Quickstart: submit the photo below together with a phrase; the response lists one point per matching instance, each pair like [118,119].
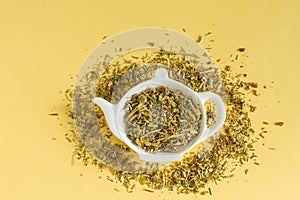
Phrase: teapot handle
[221,111]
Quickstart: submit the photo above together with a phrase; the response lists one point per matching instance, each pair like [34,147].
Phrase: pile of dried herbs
[233,146]
[160,119]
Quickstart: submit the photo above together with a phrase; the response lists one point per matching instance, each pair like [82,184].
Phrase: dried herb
[207,34]
[241,49]
[228,68]
[279,123]
[199,39]
[255,92]
[261,135]
[148,190]
[253,84]
[151,44]
[209,190]
[159,119]
[252,108]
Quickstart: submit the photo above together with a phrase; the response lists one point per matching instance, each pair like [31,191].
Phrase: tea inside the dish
[162,120]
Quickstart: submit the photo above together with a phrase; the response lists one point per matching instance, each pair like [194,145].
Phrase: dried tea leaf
[253,84]
[241,49]
[147,190]
[159,119]
[199,39]
[53,114]
[279,123]
[207,34]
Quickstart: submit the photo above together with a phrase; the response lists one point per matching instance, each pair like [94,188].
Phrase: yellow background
[42,42]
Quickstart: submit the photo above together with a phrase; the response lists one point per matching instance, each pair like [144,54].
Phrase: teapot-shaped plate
[114,114]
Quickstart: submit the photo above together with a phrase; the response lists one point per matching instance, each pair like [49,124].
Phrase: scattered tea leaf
[279,123]
[147,190]
[151,44]
[199,39]
[53,114]
[228,68]
[160,119]
[241,49]
[207,34]
[253,84]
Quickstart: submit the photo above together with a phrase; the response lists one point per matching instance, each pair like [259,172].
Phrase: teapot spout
[103,104]
[109,112]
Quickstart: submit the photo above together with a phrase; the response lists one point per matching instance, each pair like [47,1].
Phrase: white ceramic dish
[114,114]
